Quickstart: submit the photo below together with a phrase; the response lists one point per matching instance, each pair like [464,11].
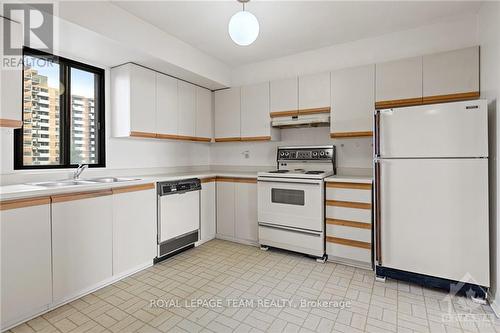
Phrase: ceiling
[288,27]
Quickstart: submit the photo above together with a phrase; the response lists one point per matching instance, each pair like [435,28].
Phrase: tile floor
[159,299]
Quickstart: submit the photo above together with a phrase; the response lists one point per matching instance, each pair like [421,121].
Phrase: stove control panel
[323,153]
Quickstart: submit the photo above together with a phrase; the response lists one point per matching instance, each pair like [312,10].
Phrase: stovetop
[297,173]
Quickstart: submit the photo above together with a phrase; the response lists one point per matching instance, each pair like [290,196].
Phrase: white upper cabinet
[353,99]
[453,72]
[133,101]
[284,95]
[314,91]
[227,114]
[204,114]
[187,109]
[166,105]
[11,85]
[399,80]
[255,120]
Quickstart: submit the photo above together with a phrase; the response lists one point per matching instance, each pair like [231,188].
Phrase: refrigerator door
[439,130]
[433,217]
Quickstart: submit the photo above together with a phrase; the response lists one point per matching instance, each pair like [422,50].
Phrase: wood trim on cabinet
[398,103]
[255,138]
[349,242]
[208,180]
[347,223]
[354,186]
[276,114]
[325,109]
[451,97]
[202,139]
[11,123]
[361,134]
[232,139]
[79,196]
[347,204]
[183,137]
[133,188]
[143,135]
[237,180]
[21,203]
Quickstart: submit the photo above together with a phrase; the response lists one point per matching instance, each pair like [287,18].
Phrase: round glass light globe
[243,28]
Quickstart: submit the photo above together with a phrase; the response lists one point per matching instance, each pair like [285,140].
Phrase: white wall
[489,39]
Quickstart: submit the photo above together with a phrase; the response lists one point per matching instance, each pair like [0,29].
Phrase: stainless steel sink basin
[63,183]
[111,180]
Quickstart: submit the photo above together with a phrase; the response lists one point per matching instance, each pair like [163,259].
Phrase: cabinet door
[187,109]
[451,73]
[134,228]
[81,243]
[26,262]
[208,212]
[255,120]
[225,209]
[246,227]
[314,91]
[166,105]
[398,83]
[353,98]
[204,117]
[284,95]
[142,99]
[11,77]
[227,113]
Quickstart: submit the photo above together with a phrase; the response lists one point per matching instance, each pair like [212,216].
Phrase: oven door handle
[290,180]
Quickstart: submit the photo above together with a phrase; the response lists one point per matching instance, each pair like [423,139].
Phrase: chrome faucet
[79,170]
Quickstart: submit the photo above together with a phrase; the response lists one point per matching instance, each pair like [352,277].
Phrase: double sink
[90,181]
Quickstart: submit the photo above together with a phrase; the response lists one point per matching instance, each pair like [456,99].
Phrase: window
[63,114]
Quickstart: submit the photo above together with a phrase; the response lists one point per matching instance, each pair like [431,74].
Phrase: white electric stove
[291,206]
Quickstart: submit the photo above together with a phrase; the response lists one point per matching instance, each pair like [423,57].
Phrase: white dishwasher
[178,216]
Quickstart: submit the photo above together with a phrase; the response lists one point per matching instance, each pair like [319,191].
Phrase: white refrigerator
[431,191]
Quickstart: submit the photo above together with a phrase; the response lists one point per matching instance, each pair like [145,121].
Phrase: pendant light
[243,27]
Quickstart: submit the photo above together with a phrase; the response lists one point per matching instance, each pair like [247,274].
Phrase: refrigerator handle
[377,214]
[376,128]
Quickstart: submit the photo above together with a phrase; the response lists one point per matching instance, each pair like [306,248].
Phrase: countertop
[349,179]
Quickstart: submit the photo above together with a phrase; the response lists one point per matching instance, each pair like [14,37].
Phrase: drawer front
[348,252]
[350,214]
[348,194]
[358,234]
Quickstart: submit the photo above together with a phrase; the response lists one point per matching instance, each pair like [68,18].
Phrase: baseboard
[77,295]
[348,262]
[237,240]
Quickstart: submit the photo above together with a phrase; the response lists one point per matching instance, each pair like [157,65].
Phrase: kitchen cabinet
[284,97]
[451,76]
[82,226]
[255,119]
[208,210]
[11,77]
[225,209]
[228,115]
[167,111]
[349,223]
[352,101]
[187,109]
[133,92]
[314,92]
[398,83]
[26,277]
[204,114]
[134,228]
[246,227]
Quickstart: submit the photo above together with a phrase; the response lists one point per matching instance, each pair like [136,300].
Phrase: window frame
[65,66]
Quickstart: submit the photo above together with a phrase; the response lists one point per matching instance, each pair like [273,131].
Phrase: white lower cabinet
[81,242]
[134,228]
[208,211]
[237,210]
[26,281]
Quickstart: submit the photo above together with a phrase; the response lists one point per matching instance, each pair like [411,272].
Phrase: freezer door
[434,217]
[439,130]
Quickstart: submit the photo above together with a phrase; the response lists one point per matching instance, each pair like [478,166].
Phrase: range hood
[310,120]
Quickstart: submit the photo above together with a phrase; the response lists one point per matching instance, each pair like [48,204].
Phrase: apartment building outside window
[63,114]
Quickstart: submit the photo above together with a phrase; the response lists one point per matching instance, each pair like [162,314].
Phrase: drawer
[348,194]
[340,251]
[358,234]
[350,214]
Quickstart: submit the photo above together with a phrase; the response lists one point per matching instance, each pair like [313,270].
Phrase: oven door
[291,202]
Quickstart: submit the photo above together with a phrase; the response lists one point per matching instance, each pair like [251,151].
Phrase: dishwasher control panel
[179,186]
